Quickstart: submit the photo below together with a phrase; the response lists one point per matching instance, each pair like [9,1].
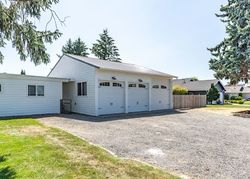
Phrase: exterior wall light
[113,78]
[140,80]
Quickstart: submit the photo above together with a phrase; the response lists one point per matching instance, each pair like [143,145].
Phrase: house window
[155,86]
[40,90]
[104,84]
[163,87]
[82,89]
[132,85]
[35,90]
[142,86]
[31,90]
[117,84]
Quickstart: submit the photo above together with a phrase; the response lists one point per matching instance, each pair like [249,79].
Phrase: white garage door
[160,97]
[111,97]
[138,97]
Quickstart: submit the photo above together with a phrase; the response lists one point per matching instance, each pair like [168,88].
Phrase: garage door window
[104,84]
[82,89]
[163,87]
[155,86]
[132,85]
[117,84]
[142,86]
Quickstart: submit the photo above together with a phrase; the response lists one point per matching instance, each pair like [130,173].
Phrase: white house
[242,90]
[94,87]
[29,95]
[99,87]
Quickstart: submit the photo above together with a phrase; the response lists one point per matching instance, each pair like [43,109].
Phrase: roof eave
[167,76]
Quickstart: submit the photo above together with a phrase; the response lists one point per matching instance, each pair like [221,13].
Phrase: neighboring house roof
[200,85]
[116,66]
[237,89]
[26,77]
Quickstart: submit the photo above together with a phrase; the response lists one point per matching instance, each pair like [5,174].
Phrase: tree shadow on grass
[6,172]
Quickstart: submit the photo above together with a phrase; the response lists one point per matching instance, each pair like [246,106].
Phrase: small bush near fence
[179,90]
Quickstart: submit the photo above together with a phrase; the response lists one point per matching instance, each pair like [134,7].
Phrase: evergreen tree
[68,47]
[213,94]
[17,25]
[231,57]
[78,47]
[105,48]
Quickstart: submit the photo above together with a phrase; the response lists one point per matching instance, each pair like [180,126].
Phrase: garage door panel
[138,98]
[160,99]
[111,99]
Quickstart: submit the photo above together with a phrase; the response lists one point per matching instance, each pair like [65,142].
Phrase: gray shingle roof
[200,85]
[125,67]
[237,89]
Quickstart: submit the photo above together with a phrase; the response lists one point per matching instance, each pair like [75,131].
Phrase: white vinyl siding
[14,101]
[78,72]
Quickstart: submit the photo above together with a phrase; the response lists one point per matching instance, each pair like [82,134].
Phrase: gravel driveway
[193,143]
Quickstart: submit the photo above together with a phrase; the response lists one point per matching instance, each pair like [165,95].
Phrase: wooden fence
[189,101]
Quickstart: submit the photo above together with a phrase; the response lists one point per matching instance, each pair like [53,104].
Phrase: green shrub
[236,98]
[226,97]
[213,94]
[235,101]
[179,90]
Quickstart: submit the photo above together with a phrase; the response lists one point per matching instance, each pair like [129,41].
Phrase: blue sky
[166,35]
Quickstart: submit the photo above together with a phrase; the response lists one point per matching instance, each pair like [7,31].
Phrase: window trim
[37,90]
[83,91]
[164,87]
[132,85]
[155,86]
[142,86]
[104,82]
[30,85]
[118,84]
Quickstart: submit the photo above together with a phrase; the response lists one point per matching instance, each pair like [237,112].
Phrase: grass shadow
[2,158]
[6,172]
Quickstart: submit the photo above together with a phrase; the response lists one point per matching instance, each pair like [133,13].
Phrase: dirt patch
[245,114]
[223,111]
[26,131]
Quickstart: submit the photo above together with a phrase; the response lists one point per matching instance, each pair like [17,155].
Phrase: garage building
[99,87]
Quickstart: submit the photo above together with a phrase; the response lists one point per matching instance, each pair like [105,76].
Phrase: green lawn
[29,149]
[228,106]
[247,102]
